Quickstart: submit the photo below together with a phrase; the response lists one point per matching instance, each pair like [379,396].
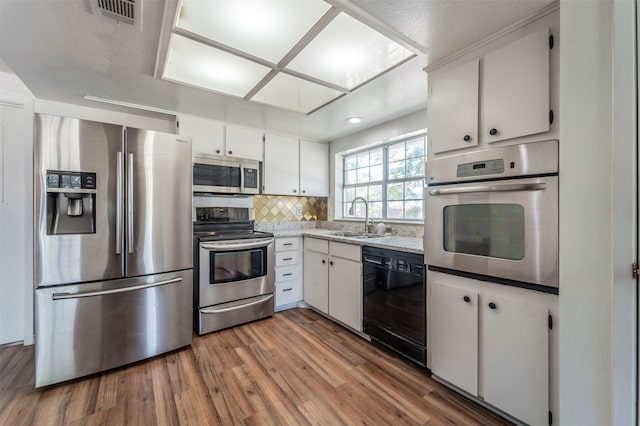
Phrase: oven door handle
[236,246]
[490,188]
[234,308]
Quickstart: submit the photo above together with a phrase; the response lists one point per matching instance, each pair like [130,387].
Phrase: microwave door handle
[241,177]
[236,246]
[490,188]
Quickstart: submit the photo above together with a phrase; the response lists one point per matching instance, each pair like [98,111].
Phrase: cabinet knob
[304,191]
[331,263]
[467,299]
[217,151]
[492,305]
[295,190]
[493,132]
[467,138]
[324,261]
[230,152]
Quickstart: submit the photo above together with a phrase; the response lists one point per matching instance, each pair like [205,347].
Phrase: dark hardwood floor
[295,368]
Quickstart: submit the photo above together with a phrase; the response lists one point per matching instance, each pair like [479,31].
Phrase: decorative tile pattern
[281,208]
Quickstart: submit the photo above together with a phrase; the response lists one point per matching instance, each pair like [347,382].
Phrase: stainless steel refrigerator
[113,246]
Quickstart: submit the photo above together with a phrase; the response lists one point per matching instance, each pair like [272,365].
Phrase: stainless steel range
[233,264]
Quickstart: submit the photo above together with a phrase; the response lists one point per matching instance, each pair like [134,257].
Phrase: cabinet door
[207,136]
[514,340]
[314,169]
[453,108]
[453,322]
[281,162]
[516,88]
[315,281]
[243,142]
[345,295]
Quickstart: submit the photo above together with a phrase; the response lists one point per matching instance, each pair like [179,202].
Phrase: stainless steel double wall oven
[493,215]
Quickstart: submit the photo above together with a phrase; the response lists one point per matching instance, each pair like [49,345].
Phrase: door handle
[119,202]
[235,308]
[130,203]
[63,296]
[490,188]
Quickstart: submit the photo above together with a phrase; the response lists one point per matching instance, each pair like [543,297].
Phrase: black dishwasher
[394,301]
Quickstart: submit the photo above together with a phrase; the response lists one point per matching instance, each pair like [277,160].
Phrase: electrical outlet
[298,210]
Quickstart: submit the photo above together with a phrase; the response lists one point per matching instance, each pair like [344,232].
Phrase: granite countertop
[392,242]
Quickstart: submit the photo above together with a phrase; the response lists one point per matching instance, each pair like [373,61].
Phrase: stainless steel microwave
[226,175]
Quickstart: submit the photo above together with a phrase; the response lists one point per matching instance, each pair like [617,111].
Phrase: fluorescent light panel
[345,54]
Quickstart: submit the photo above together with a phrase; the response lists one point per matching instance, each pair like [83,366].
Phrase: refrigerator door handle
[130,203]
[63,296]
[119,202]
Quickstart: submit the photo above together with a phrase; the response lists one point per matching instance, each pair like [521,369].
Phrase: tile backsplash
[282,208]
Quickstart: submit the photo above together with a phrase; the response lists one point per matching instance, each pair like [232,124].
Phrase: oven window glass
[237,265]
[212,175]
[492,230]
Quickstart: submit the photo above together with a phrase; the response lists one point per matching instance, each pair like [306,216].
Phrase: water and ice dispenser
[71,202]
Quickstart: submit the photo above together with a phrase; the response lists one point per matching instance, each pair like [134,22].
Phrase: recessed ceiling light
[353,120]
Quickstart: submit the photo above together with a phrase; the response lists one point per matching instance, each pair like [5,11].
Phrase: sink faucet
[366,211]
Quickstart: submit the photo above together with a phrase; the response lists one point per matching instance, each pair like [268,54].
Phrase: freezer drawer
[225,315]
[84,329]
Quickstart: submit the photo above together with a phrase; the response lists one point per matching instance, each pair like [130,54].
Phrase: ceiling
[63,52]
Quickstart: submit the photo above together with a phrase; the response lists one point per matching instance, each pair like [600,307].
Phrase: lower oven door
[233,270]
[228,314]
[504,229]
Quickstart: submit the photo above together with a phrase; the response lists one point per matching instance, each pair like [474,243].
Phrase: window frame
[386,181]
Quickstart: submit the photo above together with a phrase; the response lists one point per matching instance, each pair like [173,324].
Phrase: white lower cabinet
[492,342]
[288,272]
[333,280]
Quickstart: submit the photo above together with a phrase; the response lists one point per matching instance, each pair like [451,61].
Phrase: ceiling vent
[127,11]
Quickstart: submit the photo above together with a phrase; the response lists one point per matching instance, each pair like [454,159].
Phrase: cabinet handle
[287,244]
[217,151]
[287,275]
[331,263]
[467,138]
[287,289]
[493,132]
[287,258]
[467,299]
[230,152]
[492,305]
[324,261]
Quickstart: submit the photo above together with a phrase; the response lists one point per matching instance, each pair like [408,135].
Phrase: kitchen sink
[353,234]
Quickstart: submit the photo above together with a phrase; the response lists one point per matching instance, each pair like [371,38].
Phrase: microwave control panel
[481,168]
[250,178]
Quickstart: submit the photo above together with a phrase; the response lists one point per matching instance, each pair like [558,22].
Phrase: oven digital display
[479,166]
[491,167]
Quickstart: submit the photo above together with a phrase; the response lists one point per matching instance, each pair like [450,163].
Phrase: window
[390,177]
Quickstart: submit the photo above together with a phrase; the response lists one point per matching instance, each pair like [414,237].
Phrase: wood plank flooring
[296,368]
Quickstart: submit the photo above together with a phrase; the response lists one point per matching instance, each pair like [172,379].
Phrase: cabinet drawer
[346,251]
[315,244]
[287,292]
[287,243]
[287,273]
[287,258]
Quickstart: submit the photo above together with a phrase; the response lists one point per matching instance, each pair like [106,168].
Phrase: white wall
[16,227]
[597,143]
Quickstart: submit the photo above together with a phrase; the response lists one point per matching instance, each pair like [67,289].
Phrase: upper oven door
[232,270]
[502,229]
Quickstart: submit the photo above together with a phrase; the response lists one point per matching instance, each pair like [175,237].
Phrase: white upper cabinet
[207,136]
[281,165]
[314,169]
[515,99]
[293,167]
[512,86]
[215,138]
[244,142]
[453,108]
